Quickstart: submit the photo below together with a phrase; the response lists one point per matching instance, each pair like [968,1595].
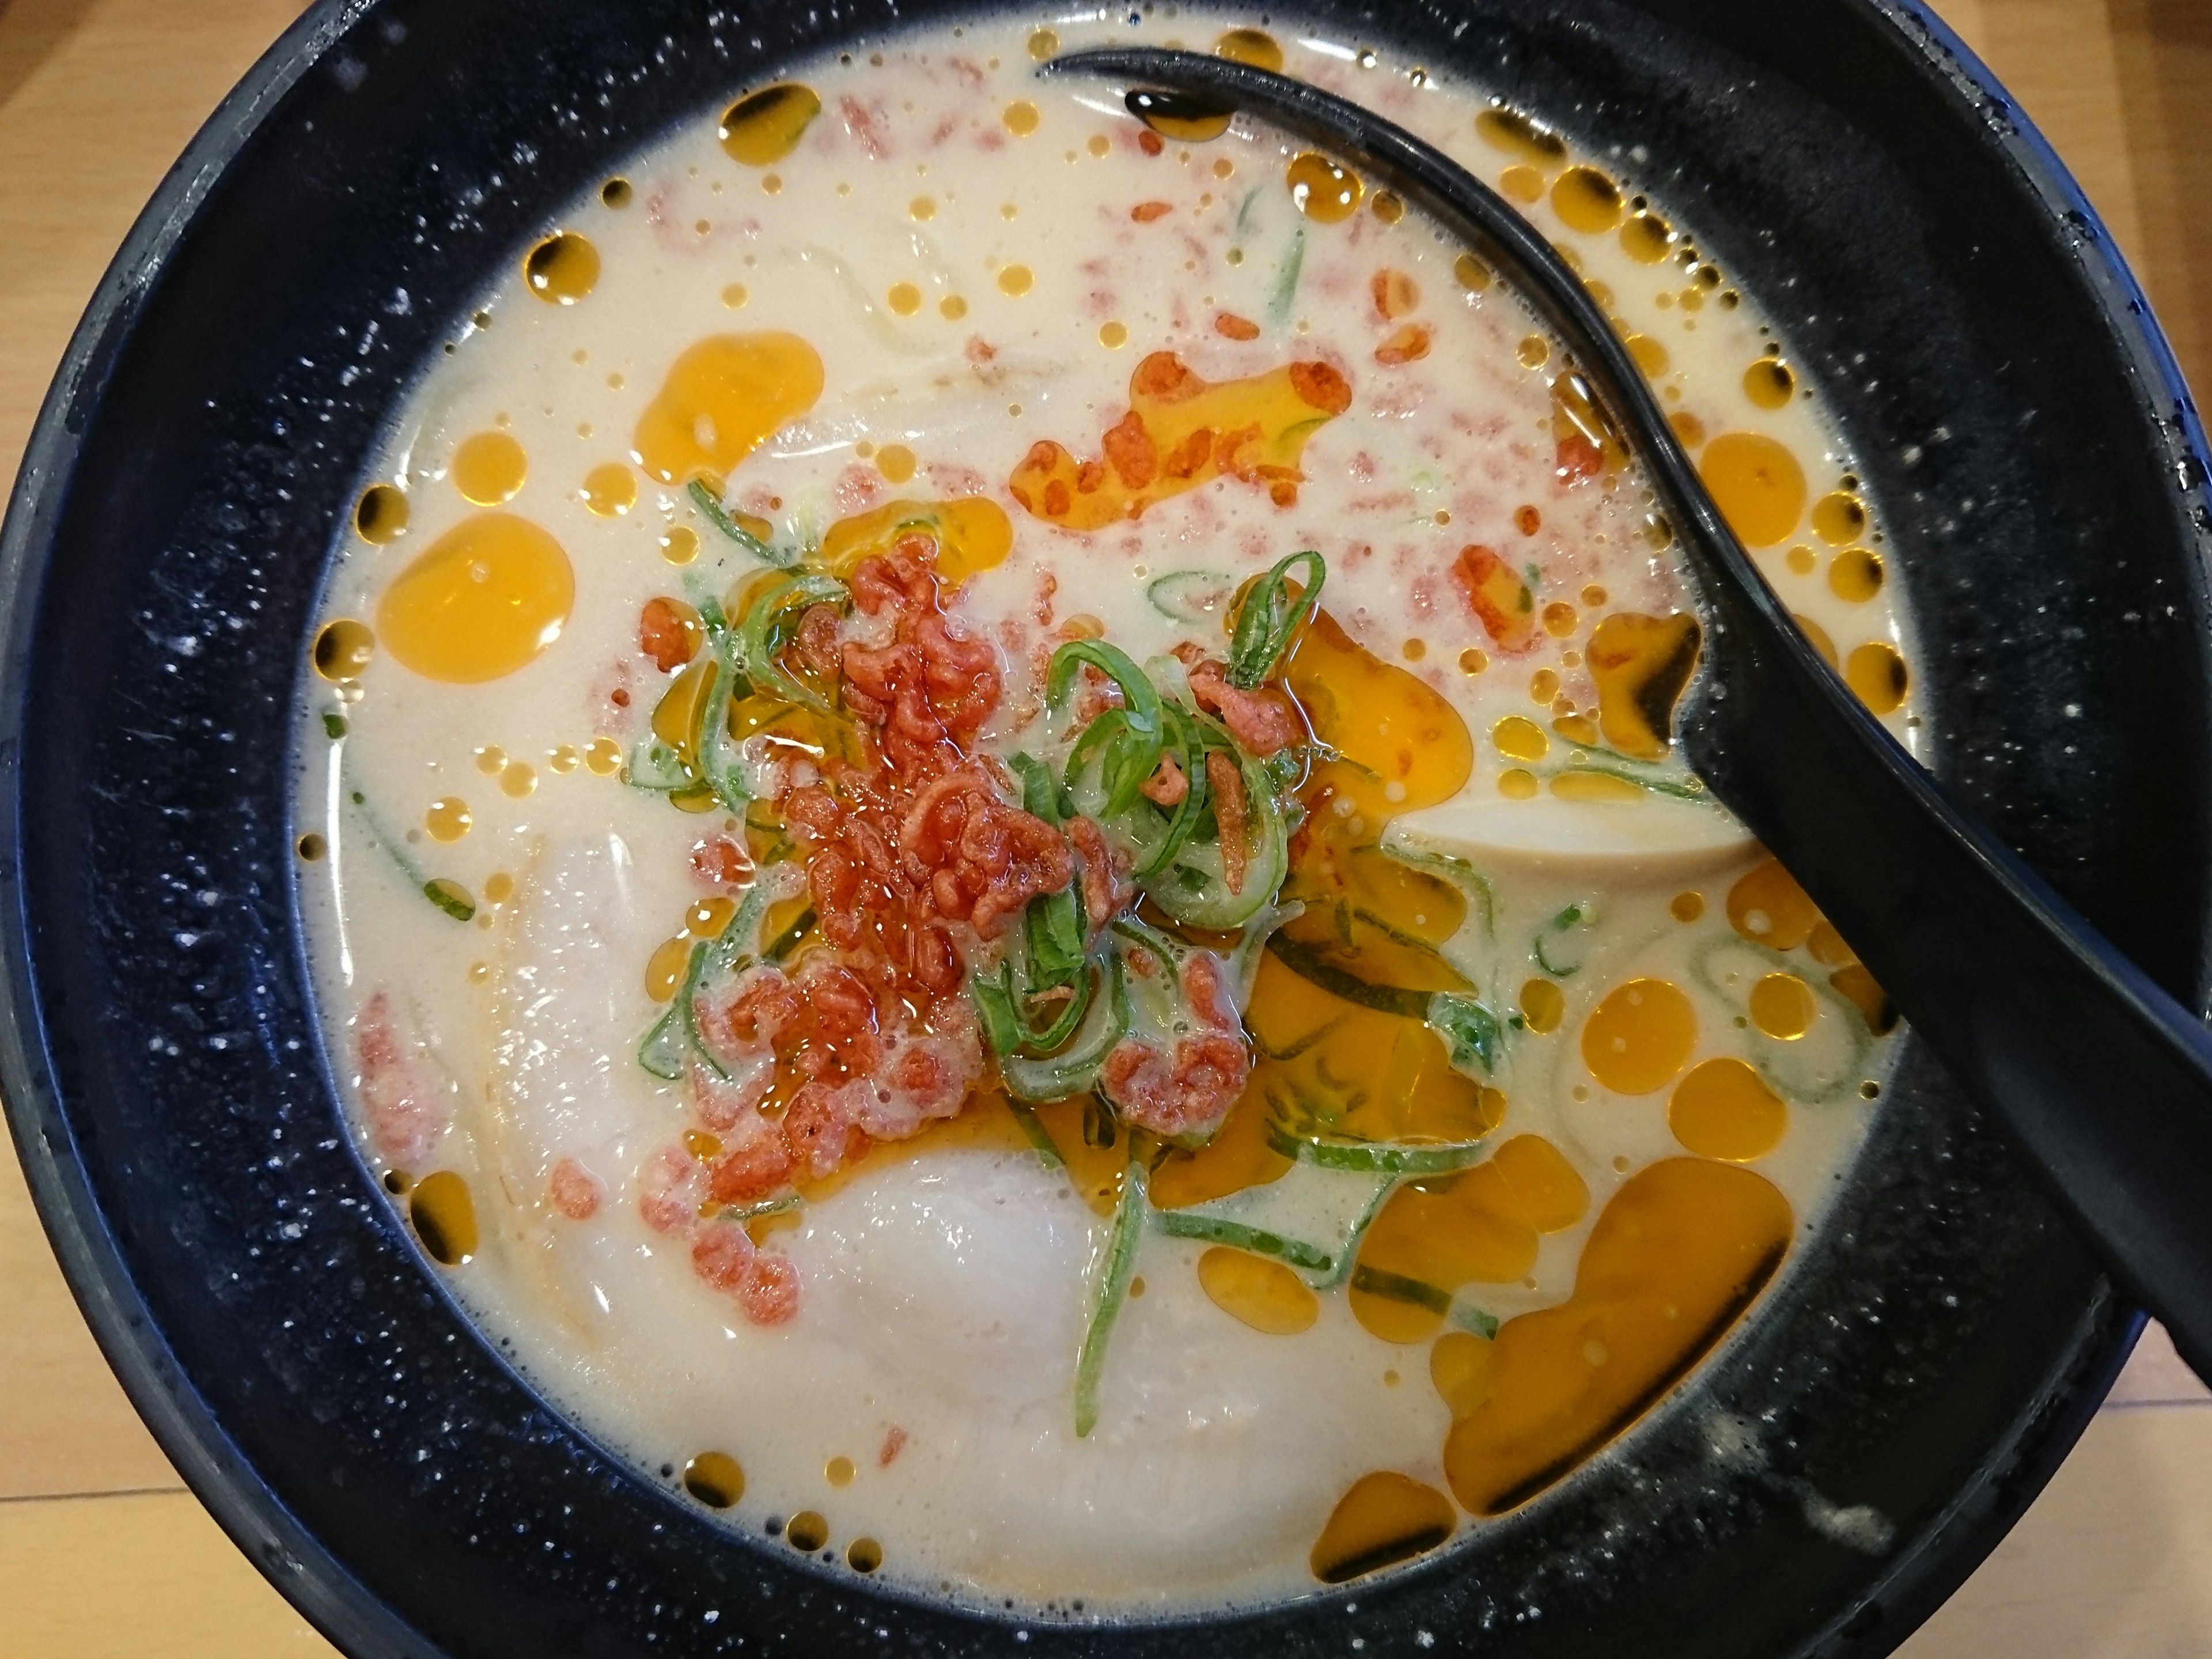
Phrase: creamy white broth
[976,282]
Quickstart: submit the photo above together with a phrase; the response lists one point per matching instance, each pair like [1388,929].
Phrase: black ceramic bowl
[1932,1355]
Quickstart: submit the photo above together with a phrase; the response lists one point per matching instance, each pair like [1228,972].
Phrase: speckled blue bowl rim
[1912,1581]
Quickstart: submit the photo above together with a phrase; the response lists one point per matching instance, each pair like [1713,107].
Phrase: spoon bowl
[2104,1080]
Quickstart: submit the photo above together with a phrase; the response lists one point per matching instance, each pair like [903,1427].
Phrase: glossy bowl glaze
[1817,1488]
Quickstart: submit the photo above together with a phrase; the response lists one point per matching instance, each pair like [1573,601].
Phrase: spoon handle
[2102,1078]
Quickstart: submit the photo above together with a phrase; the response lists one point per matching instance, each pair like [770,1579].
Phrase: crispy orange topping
[1182,431]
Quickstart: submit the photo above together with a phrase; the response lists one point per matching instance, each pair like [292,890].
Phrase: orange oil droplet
[380,514]
[714,1479]
[1646,238]
[562,269]
[448,819]
[485,599]
[488,468]
[1641,665]
[1817,637]
[610,490]
[1325,192]
[445,1217]
[1877,674]
[1639,1036]
[1767,906]
[1724,1109]
[1385,1518]
[767,125]
[1587,200]
[1854,575]
[1182,431]
[1757,484]
[1519,738]
[1542,1006]
[1253,46]
[1258,1291]
[1769,383]
[972,532]
[1838,517]
[1188,117]
[1651,356]
[343,649]
[1522,137]
[665,968]
[721,399]
[1679,1253]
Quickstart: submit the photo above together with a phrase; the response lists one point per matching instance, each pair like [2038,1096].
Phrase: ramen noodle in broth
[990,820]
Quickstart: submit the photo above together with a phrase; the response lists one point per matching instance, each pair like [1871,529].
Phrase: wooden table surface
[102,1551]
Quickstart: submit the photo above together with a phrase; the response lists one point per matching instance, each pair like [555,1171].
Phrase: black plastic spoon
[2104,1080]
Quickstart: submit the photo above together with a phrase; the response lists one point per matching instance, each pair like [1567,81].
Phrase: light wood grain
[136,1575]
[2122,89]
[2114,1562]
[65,1425]
[102,1553]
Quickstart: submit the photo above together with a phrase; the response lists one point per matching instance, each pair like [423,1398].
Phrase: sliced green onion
[1291,1051]
[687,1004]
[1399,1288]
[1456,870]
[1025,1114]
[1244,960]
[674,1036]
[1470,1317]
[1307,964]
[1075,1071]
[1287,277]
[1358,1236]
[1039,799]
[738,944]
[1194,888]
[1132,755]
[1377,1156]
[450,897]
[1211,1230]
[1188,739]
[1053,925]
[994,1010]
[726,779]
[760,638]
[742,1212]
[1269,617]
[655,767]
[787,941]
[999,1009]
[669,1043]
[1471,1030]
[1113,1290]
[1146,937]
[713,511]
[1197,596]
[1545,962]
